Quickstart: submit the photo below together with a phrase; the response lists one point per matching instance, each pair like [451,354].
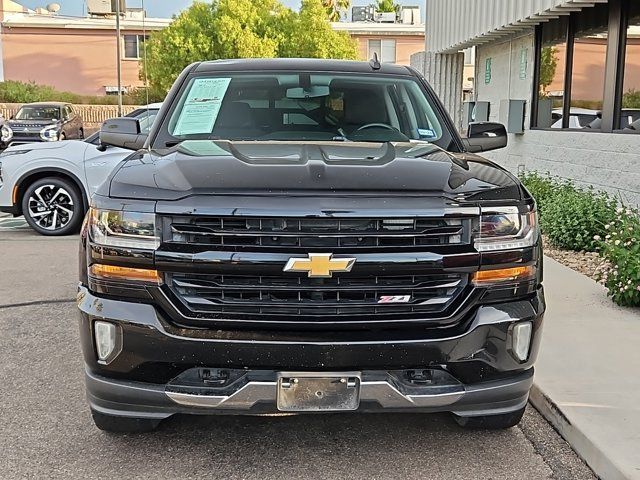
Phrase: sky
[165,8]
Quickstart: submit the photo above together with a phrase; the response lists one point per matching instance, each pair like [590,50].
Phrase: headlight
[505,228]
[123,229]
[6,134]
[50,133]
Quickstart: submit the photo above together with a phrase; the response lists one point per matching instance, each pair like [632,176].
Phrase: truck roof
[299,64]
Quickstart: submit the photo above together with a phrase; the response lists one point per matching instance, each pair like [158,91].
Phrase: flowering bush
[620,249]
[570,216]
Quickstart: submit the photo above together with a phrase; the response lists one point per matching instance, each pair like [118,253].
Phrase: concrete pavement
[588,373]
[46,430]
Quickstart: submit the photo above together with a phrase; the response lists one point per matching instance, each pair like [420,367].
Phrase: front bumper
[482,375]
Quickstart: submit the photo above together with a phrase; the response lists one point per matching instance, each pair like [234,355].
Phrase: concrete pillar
[445,73]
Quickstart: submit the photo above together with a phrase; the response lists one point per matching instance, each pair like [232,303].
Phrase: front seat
[235,121]
[362,107]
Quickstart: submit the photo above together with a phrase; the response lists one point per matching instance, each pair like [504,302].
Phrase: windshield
[39,113]
[304,106]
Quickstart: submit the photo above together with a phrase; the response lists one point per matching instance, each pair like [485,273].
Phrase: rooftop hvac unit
[362,14]
[410,14]
[385,17]
[105,7]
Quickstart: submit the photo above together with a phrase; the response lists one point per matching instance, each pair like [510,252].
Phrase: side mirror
[122,132]
[485,136]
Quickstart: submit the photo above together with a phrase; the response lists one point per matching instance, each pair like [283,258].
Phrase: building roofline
[31,20]
[378,28]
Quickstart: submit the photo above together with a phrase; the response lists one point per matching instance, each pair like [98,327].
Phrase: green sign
[487,71]
[524,63]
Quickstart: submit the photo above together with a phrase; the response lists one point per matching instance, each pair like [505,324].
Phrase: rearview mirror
[311,92]
[122,132]
[485,136]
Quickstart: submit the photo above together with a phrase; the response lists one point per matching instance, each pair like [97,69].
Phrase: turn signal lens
[110,272]
[503,275]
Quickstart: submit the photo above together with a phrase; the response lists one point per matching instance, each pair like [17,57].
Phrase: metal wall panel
[453,25]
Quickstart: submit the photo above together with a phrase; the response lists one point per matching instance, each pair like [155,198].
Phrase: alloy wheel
[51,207]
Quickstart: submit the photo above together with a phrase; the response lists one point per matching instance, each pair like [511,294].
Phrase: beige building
[393,42]
[79,54]
[69,53]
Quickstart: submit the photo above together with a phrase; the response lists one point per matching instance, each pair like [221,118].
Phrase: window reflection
[551,85]
[630,113]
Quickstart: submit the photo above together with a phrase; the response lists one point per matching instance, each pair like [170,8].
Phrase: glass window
[375,48]
[589,60]
[305,106]
[385,49]
[133,45]
[552,69]
[38,113]
[630,114]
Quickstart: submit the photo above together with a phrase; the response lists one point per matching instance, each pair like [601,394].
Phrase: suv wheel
[113,424]
[53,206]
[491,422]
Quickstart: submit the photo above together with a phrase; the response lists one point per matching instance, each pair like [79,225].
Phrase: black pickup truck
[308,236]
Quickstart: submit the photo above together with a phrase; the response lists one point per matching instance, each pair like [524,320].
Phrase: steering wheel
[376,125]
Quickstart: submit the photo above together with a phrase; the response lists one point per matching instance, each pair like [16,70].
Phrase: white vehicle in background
[578,117]
[51,183]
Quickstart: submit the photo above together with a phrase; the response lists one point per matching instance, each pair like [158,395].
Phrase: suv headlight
[505,228]
[50,133]
[123,229]
[6,134]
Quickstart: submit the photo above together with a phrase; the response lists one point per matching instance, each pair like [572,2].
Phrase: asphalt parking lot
[46,430]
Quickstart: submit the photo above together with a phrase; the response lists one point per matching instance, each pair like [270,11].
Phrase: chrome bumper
[379,391]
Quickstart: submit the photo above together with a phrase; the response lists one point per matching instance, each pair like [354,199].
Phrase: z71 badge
[395,299]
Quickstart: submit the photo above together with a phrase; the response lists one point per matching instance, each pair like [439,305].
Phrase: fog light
[105,339]
[521,339]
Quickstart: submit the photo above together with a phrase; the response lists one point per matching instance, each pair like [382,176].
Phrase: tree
[548,66]
[335,8]
[386,6]
[309,35]
[242,29]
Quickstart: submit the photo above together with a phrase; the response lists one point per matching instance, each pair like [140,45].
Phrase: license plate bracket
[318,392]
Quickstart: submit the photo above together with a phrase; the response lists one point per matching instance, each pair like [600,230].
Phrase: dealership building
[563,76]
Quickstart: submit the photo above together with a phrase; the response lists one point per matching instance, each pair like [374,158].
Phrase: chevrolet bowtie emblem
[320,265]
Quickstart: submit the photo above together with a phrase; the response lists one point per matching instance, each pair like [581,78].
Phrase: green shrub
[576,216]
[13,91]
[620,248]
[570,216]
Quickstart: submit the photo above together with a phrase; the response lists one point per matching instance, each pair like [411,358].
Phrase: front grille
[309,234]
[341,299]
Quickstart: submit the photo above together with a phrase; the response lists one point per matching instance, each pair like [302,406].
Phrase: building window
[630,108]
[588,76]
[588,68]
[133,46]
[385,49]
[553,51]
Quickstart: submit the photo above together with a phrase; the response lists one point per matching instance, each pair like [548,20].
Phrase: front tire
[113,424]
[491,422]
[53,206]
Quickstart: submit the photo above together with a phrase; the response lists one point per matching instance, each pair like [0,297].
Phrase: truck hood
[290,168]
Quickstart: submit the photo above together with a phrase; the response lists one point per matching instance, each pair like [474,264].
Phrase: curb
[589,451]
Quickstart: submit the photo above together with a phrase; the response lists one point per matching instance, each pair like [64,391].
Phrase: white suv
[51,183]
